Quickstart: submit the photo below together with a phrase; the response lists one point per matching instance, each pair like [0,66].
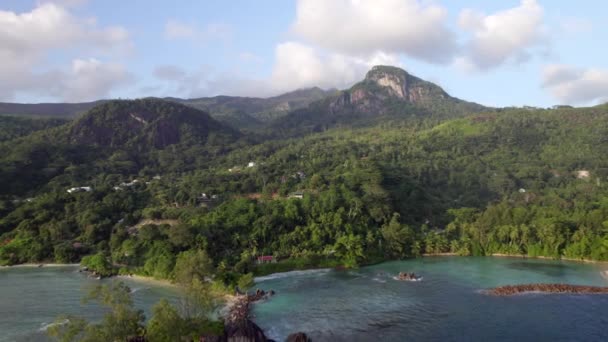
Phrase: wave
[412,280]
[137,289]
[45,326]
[379,280]
[281,275]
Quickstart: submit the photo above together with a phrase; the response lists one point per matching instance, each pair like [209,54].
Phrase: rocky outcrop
[510,290]
[260,295]
[298,337]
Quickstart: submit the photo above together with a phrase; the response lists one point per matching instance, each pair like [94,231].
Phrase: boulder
[298,337]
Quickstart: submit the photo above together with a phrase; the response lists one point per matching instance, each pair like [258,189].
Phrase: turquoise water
[357,305]
[447,305]
[31,298]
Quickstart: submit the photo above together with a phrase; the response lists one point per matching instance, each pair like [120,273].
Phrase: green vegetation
[12,127]
[123,322]
[171,188]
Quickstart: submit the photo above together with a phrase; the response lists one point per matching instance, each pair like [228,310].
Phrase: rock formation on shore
[298,337]
[510,290]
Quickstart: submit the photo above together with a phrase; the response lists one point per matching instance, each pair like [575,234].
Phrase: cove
[31,298]
[367,304]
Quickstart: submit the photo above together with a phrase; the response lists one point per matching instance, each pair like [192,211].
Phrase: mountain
[146,122]
[386,93]
[240,112]
[12,127]
[252,111]
[116,137]
[54,110]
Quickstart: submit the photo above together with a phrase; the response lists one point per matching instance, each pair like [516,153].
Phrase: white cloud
[90,79]
[169,72]
[355,27]
[27,39]
[512,35]
[574,85]
[178,30]
[298,66]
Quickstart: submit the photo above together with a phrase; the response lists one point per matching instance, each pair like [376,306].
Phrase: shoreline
[146,279]
[519,256]
[585,261]
[40,265]
[512,290]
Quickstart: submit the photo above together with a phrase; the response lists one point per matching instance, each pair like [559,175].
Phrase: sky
[497,53]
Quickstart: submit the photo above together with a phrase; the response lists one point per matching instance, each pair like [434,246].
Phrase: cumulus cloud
[298,66]
[169,72]
[574,85]
[511,35]
[354,27]
[178,30]
[26,40]
[90,79]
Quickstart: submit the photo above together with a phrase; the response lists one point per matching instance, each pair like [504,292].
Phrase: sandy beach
[41,265]
[148,280]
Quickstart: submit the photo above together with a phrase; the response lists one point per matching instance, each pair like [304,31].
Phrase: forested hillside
[160,179]
[12,127]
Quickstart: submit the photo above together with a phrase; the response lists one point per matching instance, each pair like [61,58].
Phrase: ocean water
[32,298]
[367,304]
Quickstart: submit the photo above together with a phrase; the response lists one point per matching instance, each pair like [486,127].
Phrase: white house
[251,164]
[79,189]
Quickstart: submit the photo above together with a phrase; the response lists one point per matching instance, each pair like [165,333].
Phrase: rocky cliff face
[147,123]
[385,83]
[386,93]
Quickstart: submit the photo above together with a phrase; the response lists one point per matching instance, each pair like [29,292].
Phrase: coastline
[586,261]
[520,256]
[40,265]
[148,280]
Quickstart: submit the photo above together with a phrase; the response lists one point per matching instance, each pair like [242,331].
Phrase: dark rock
[509,290]
[298,337]
[244,331]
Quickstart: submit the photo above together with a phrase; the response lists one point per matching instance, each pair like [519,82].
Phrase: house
[297,194]
[582,174]
[251,164]
[266,259]
[79,189]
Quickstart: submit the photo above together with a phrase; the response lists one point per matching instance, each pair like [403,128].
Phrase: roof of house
[265,257]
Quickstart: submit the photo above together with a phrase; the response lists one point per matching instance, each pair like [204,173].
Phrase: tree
[350,249]
[398,238]
[166,324]
[192,264]
[121,322]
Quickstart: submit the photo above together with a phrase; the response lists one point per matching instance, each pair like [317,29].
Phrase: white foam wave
[379,280]
[45,326]
[137,289]
[417,279]
[321,271]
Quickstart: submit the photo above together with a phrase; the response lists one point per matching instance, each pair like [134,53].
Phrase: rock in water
[244,331]
[298,337]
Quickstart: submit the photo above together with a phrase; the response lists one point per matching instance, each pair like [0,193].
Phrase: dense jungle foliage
[513,181]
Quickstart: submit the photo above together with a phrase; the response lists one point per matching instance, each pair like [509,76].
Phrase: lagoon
[367,304]
[31,298]
[364,304]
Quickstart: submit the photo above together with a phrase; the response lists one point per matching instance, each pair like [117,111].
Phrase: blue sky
[500,53]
